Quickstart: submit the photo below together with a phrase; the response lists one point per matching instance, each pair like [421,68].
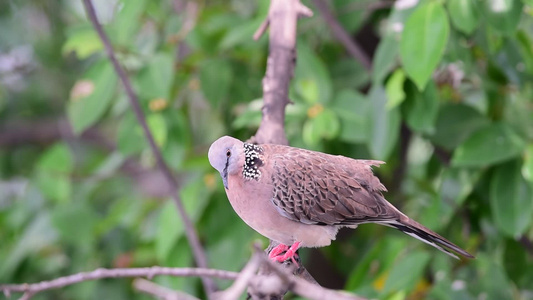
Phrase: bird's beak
[224,175]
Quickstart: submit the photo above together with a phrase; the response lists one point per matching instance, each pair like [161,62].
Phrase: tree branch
[278,279]
[198,252]
[351,46]
[302,287]
[282,18]
[161,292]
[242,281]
[31,289]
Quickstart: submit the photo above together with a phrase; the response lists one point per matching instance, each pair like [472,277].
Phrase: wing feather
[317,188]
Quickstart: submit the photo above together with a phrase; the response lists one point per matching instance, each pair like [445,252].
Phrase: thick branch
[351,46]
[304,288]
[198,252]
[114,273]
[282,18]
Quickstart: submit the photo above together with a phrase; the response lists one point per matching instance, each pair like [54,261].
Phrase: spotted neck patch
[252,161]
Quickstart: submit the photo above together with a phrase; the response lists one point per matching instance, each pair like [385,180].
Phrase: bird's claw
[276,253]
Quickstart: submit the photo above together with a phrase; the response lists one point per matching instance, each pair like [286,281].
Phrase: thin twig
[161,292]
[282,19]
[198,252]
[243,280]
[351,46]
[262,28]
[115,273]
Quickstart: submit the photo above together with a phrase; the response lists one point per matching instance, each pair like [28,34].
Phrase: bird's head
[224,156]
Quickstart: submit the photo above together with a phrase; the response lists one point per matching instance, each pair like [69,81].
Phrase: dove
[301,198]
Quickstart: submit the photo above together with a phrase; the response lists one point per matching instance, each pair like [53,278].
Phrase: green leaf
[158,128]
[353,109]
[394,89]
[76,222]
[310,68]
[36,236]
[423,41]
[251,117]
[95,92]
[421,108]
[216,77]
[489,145]
[455,123]
[492,277]
[510,200]
[52,174]
[456,185]
[385,58]
[308,89]
[383,250]
[524,44]
[439,207]
[405,274]
[350,19]
[384,125]
[503,15]
[155,80]
[324,125]
[347,73]
[57,159]
[83,41]
[131,139]
[128,21]
[238,35]
[56,187]
[518,263]
[527,167]
[169,230]
[464,15]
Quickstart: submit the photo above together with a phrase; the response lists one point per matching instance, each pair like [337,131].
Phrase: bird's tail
[424,234]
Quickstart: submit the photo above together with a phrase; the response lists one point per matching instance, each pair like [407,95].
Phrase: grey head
[225,155]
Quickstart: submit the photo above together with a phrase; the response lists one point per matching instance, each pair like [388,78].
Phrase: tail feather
[420,232]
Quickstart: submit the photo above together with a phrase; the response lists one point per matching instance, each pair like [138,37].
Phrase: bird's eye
[228,153]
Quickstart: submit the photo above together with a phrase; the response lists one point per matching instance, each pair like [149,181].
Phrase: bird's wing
[317,188]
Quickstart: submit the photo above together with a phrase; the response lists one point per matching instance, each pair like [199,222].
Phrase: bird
[301,198]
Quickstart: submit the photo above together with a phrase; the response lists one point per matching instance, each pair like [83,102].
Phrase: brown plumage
[302,197]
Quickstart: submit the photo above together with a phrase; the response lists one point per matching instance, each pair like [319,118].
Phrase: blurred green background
[448,104]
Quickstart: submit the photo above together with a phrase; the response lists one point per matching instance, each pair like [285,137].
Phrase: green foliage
[447,104]
[423,41]
[91,96]
[511,200]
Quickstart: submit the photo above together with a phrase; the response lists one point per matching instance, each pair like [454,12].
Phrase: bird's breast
[252,201]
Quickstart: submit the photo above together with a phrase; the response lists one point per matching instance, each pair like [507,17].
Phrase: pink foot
[276,255]
[277,251]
